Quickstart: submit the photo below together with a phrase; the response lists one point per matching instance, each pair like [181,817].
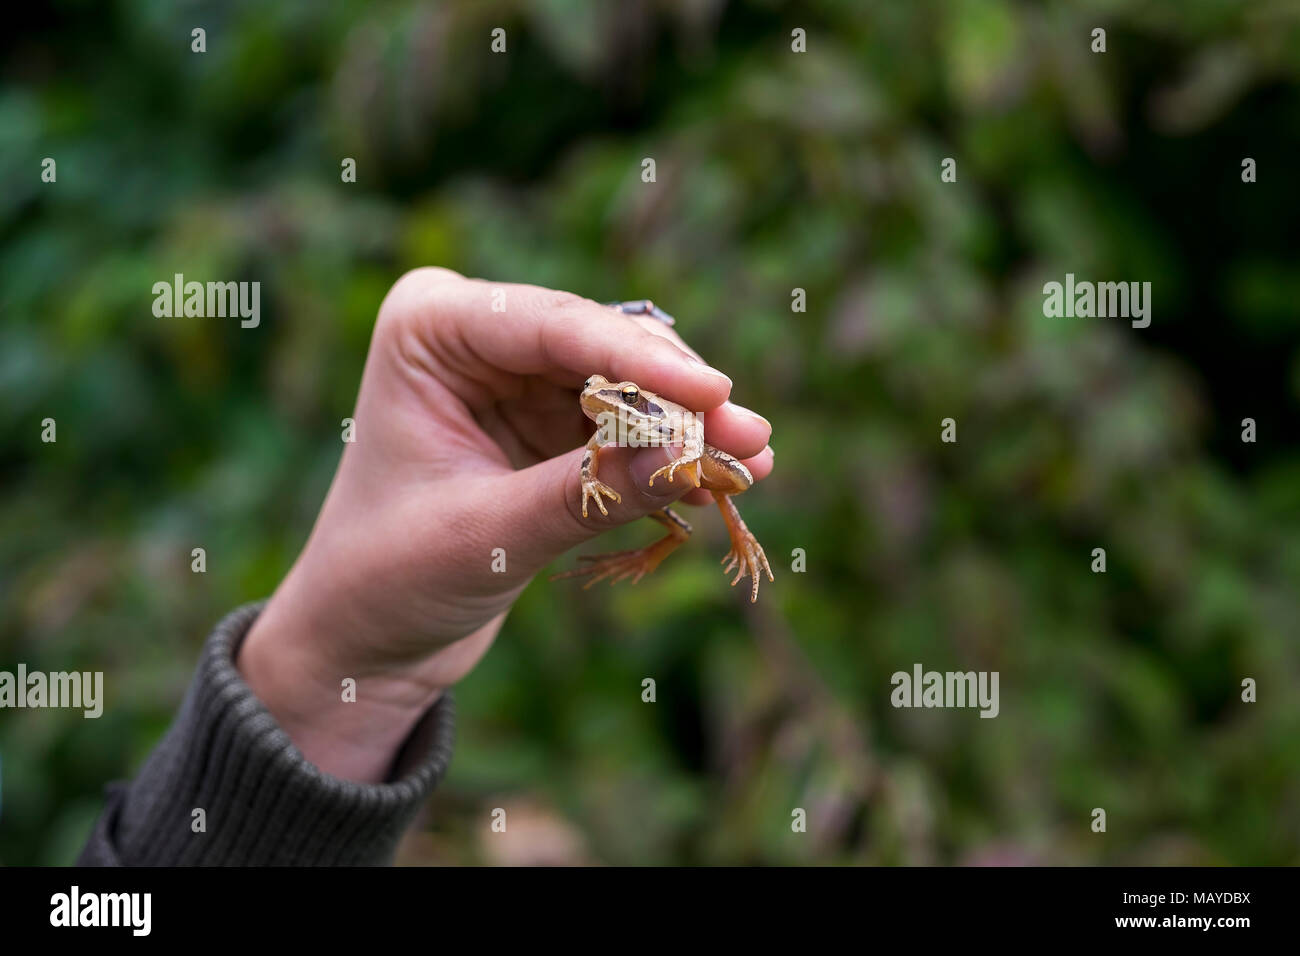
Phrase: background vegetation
[775,171]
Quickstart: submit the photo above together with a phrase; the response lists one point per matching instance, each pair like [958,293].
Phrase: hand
[467,439]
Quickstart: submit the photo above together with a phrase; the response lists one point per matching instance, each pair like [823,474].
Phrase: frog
[626,414]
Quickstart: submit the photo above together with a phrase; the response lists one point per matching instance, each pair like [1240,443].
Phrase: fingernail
[750,413]
[709,369]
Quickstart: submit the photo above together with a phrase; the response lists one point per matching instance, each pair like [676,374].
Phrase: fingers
[733,428]
[490,333]
[528,330]
[737,430]
[655,327]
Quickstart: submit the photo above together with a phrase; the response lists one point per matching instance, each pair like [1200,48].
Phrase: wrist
[348,723]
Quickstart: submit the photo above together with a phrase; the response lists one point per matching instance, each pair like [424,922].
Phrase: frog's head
[623,400]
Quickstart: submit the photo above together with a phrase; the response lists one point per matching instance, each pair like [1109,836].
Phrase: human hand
[468,436]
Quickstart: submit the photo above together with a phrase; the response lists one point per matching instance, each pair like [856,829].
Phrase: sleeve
[264,803]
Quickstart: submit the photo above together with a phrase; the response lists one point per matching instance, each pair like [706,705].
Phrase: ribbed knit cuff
[264,803]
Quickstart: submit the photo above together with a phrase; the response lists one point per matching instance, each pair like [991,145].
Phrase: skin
[468,438]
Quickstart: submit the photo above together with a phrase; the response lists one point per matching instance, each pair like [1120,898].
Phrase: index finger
[530,330]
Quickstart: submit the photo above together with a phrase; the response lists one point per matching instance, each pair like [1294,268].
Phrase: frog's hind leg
[746,554]
[618,565]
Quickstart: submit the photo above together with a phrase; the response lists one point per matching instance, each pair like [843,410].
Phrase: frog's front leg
[692,448]
[593,487]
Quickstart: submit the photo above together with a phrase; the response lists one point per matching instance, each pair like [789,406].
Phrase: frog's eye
[631,394]
[586,385]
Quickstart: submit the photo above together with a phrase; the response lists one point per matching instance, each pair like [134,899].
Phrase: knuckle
[415,282]
[412,289]
[429,275]
[555,299]
[560,306]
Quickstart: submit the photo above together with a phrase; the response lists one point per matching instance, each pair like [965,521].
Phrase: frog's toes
[671,469]
[594,488]
[618,565]
[746,557]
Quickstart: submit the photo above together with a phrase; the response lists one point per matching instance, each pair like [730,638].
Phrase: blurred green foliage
[776,170]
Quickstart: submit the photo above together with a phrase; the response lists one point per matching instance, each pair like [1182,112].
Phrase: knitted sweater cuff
[263,803]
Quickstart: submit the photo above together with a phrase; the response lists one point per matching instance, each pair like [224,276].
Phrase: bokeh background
[775,171]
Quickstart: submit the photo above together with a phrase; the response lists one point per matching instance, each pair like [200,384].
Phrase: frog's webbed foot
[594,488]
[615,565]
[746,556]
[636,563]
[694,464]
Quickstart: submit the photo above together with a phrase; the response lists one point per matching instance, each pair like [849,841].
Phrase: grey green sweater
[265,804]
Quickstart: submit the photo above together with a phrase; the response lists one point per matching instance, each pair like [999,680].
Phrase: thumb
[539,509]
